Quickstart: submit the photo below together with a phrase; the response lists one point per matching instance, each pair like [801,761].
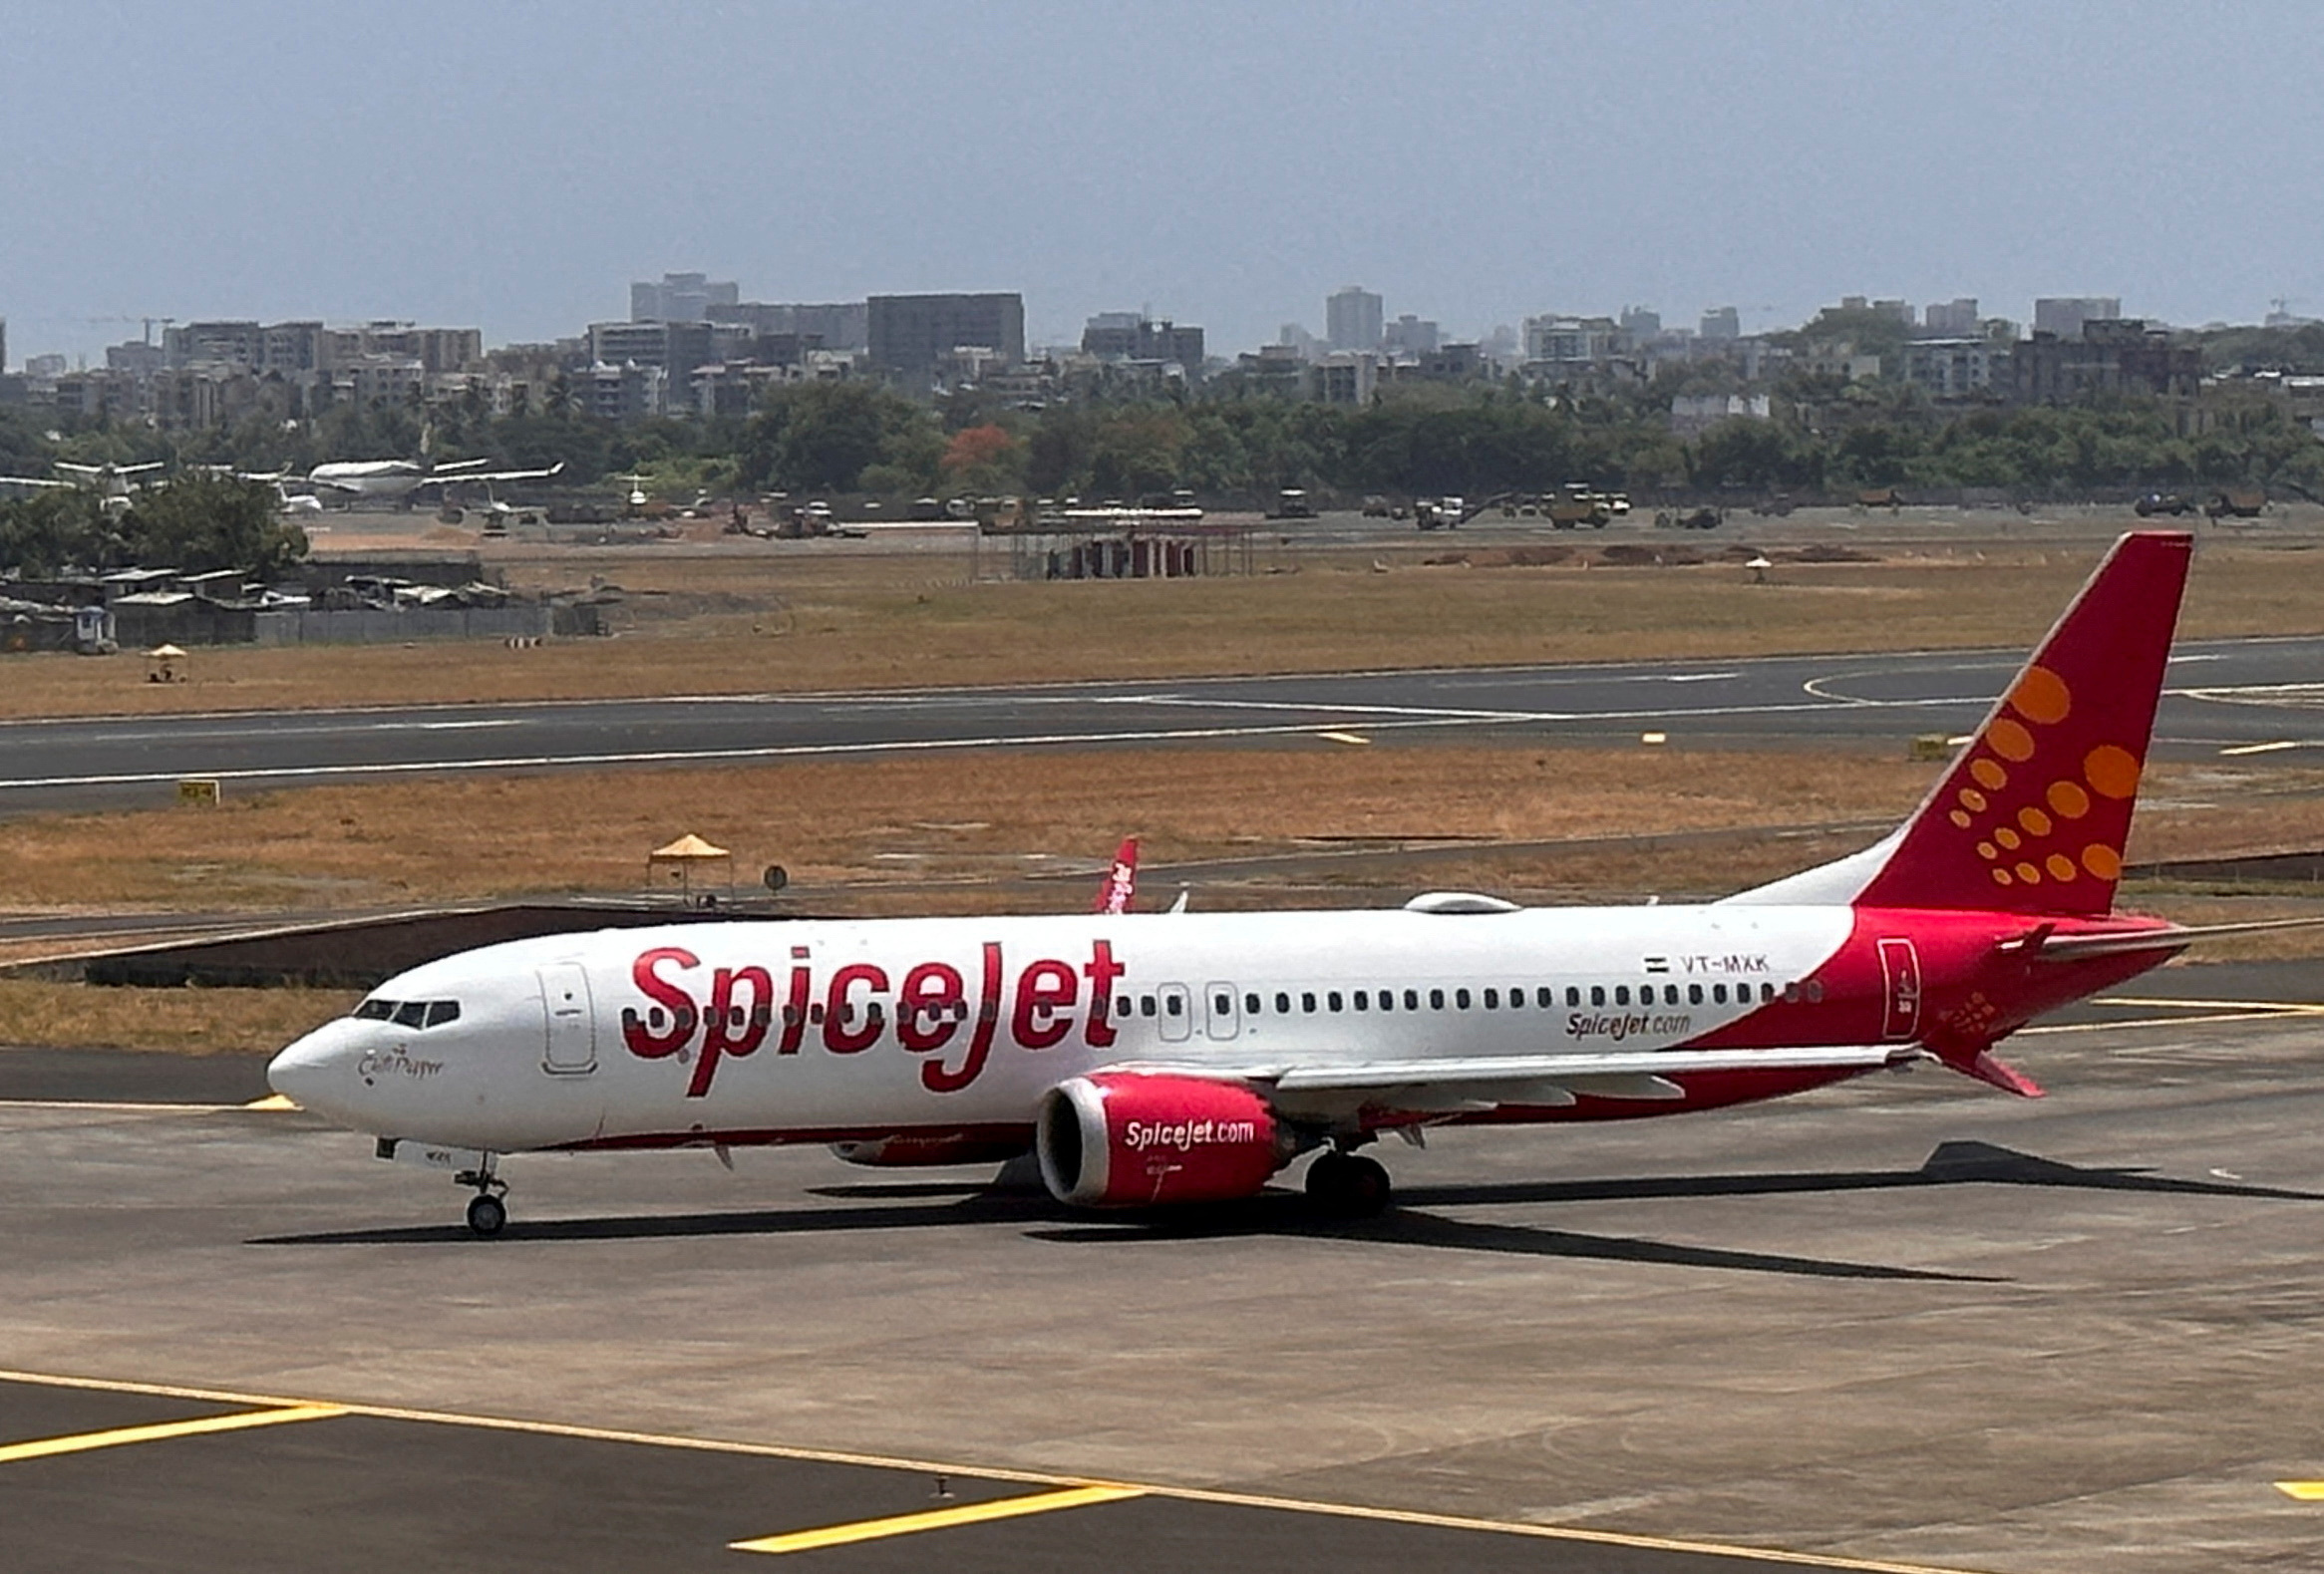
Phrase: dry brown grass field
[1024,831]
[748,620]
[181,1021]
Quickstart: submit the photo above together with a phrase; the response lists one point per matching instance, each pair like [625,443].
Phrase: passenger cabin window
[1173,1005]
[1412,1000]
[1222,1004]
[1492,1000]
[1461,999]
[1332,1000]
[1282,1003]
[1146,1004]
[1436,1000]
[1597,994]
[1307,1000]
[1250,1005]
[1622,994]
[1361,1000]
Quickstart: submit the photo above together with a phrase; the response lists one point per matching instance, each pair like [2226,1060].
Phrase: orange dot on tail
[2102,862]
[2067,799]
[1989,775]
[2111,772]
[1961,818]
[1973,801]
[2006,836]
[2060,866]
[2041,696]
[2010,739]
[2028,873]
[2034,820]
[1988,851]
[2001,877]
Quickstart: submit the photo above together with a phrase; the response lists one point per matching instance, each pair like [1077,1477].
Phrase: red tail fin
[2033,816]
[1121,881]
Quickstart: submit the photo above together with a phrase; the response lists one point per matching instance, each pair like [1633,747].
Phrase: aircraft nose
[313,1071]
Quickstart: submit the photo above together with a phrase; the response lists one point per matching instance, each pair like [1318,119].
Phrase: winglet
[1121,883]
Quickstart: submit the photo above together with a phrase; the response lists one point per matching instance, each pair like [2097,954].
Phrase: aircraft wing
[1475,1082]
[2173,937]
[32,480]
[439,479]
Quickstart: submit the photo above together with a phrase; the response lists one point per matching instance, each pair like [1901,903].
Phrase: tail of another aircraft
[1119,885]
[2034,814]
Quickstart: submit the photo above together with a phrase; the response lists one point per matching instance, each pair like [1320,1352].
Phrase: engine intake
[1122,1139]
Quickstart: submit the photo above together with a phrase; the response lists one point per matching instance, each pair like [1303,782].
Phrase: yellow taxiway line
[1064,1483]
[2302,1491]
[937,1519]
[82,1443]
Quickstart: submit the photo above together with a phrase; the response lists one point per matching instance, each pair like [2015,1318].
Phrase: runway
[1908,1324]
[2256,695]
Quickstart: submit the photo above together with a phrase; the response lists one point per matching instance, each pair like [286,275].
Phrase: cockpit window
[409,1013]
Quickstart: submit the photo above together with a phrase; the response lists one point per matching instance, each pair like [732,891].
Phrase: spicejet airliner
[1152,1059]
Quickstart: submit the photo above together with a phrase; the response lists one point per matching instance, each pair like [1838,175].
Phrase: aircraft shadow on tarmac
[922,1204]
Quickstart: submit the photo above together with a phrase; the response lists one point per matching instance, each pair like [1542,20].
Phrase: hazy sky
[514,165]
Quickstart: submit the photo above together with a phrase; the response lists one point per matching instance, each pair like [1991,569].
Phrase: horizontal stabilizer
[2173,937]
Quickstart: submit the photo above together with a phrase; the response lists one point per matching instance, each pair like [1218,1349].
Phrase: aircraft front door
[1178,1013]
[1900,980]
[1220,1019]
[571,1046]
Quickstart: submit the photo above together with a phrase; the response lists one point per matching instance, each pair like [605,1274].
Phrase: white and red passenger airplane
[1162,1058]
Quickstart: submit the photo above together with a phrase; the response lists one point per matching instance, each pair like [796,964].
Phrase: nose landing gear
[487,1213]
[1345,1185]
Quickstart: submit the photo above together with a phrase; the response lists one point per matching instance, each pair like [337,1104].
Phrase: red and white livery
[1166,1057]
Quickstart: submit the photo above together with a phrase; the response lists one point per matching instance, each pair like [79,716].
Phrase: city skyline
[1474,165]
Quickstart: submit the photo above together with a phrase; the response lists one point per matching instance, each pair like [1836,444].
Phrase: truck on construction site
[2240,502]
[1440,513]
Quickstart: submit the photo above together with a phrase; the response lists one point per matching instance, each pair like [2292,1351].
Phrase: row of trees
[860,437]
[195,523]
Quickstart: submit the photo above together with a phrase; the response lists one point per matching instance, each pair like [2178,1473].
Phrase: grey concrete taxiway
[2223,695]
[1910,1322]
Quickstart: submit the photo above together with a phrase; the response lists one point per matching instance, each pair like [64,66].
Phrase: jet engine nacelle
[1119,1140]
[917,1153]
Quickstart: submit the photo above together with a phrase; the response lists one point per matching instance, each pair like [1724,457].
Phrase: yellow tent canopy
[681,858]
[686,846]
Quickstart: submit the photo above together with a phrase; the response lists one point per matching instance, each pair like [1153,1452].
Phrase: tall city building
[2064,315]
[1410,335]
[1951,319]
[918,333]
[1351,319]
[832,325]
[1721,322]
[1133,336]
[680,297]
[2,344]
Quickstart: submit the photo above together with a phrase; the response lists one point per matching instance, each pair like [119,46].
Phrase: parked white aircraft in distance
[1163,1058]
[401,477]
[113,484]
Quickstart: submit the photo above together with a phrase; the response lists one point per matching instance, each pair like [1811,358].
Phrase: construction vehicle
[2241,502]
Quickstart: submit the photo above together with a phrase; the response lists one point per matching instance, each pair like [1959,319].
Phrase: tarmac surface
[1905,1323]
[2250,693]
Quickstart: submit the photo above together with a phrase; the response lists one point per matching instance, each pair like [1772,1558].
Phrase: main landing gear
[1347,1185]
[487,1213]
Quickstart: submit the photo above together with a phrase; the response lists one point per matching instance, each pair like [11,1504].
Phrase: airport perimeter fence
[372,626]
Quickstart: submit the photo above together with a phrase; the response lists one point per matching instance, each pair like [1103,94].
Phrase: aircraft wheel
[1347,1186]
[486,1214]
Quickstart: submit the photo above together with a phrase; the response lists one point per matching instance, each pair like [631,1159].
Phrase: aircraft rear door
[571,1044]
[1900,978]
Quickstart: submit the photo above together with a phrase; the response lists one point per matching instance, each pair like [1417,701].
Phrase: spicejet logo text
[736,1009]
